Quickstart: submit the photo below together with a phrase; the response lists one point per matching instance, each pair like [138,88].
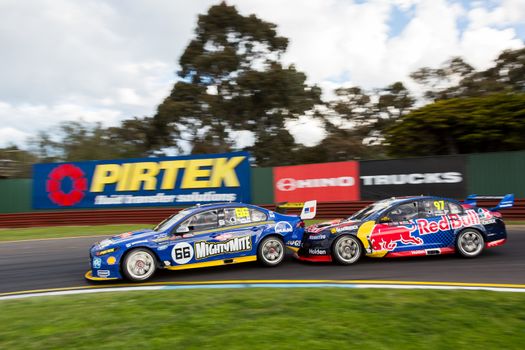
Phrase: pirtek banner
[167,181]
[441,176]
[326,182]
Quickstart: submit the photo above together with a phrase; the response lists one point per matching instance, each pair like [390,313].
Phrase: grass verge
[328,318]
[14,234]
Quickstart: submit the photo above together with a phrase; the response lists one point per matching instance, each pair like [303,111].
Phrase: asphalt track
[42,264]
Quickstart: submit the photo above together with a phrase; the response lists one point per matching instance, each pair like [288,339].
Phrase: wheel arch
[346,233]
[160,263]
[273,234]
[475,228]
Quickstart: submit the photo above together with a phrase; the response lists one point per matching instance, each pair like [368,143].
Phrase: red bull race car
[409,226]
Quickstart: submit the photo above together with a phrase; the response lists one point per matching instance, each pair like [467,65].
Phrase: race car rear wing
[507,201]
[308,212]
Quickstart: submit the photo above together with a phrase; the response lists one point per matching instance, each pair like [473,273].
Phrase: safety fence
[329,210]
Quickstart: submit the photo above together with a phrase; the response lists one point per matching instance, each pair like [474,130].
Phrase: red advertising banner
[326,182]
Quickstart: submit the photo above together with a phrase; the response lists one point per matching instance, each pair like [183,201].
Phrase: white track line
[260,285]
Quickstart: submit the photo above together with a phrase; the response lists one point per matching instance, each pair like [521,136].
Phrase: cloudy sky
[106,61]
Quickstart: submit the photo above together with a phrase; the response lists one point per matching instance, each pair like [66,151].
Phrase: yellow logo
[194,173]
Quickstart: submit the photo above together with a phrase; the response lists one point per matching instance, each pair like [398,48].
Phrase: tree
[456,78]
[15,162]
[355,128]
[489,123]
[76,141]
[232,78]
[441,83]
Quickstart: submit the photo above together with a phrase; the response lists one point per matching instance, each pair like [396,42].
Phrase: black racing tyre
[270,251]
[139,265]
[469,243]
[346,250]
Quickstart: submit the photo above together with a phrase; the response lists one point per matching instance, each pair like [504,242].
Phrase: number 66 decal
[182,253]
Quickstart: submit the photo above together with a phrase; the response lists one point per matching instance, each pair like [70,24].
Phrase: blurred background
[306,82]
[113,114]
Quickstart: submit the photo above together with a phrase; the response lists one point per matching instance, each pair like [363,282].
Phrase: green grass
[11,234]
[328,318]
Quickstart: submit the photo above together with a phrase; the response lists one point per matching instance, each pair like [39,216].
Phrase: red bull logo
[387,237]
[450,222]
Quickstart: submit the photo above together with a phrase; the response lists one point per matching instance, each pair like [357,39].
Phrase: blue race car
[408,226]
[200,236]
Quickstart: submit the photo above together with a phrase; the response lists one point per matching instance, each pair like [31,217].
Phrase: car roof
[399,200]
[208,206]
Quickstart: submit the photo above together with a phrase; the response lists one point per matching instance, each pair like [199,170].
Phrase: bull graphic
[387,239]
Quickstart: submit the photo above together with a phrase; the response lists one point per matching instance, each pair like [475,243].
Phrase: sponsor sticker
[111,260]
[450,222]
[97,263]
[205,249]
[343,228]
[317,251]
[283,227]
[317,237]
[103,273]
[182,253]
[294,243]
[136,242]
[106,251]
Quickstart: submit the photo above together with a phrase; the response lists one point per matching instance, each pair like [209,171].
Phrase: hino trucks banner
[443,176]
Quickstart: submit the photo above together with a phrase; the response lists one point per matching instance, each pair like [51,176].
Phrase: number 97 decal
[440,205]
[182,253]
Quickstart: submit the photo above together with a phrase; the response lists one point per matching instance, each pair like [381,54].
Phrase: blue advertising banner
[165,181]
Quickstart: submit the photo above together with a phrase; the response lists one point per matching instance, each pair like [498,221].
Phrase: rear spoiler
[308,212]
[507,201]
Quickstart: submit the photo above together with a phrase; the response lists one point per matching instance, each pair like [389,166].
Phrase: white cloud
[9,136]
[306,130]
[484,44]
[106,61]
[25,120]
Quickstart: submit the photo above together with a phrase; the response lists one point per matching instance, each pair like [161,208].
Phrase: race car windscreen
[168,222]
[370,210]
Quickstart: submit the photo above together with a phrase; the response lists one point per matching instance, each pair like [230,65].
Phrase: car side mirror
[385,219]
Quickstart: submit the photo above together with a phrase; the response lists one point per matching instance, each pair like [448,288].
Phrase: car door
[191,236]
[242,223]
[434,223]
[396,229]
